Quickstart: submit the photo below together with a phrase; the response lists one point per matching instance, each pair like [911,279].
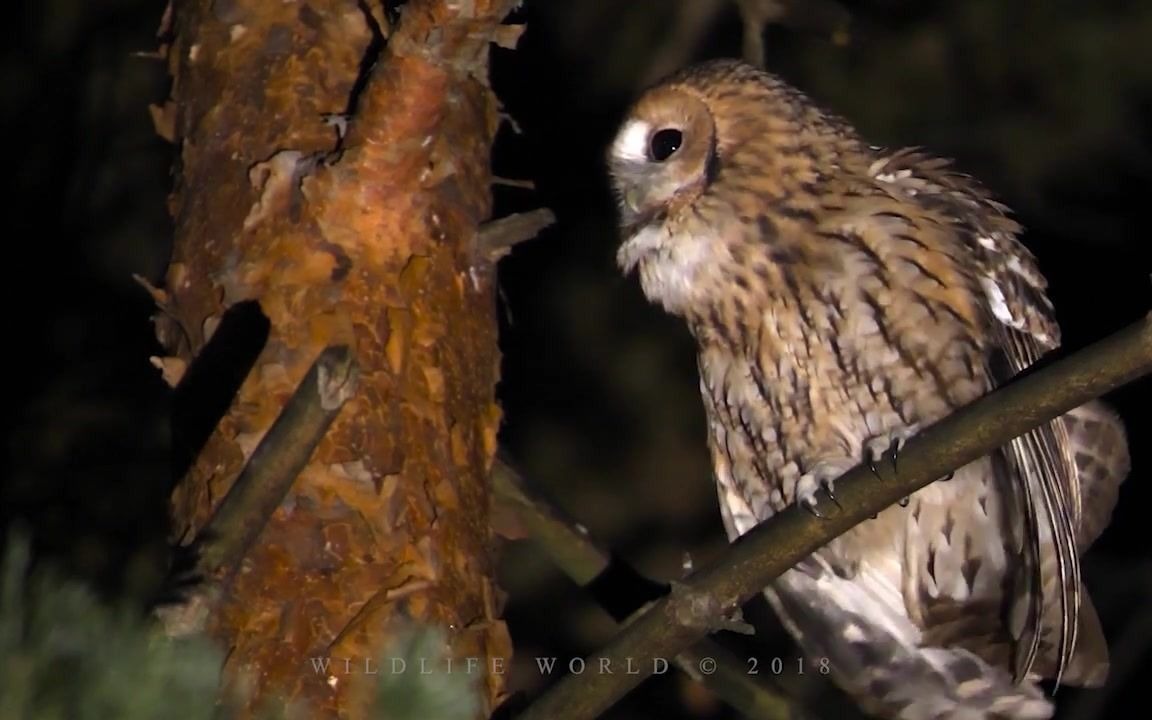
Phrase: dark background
[1049,102]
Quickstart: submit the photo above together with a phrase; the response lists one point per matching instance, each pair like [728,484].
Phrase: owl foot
[821,477]
[892,442]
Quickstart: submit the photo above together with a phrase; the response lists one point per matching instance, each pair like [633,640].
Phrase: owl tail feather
[873,655]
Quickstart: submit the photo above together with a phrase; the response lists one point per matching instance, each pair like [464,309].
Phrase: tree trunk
[365,240]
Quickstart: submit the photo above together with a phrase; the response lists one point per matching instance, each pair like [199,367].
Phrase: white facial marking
[632,141]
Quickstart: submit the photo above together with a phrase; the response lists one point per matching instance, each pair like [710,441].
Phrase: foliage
[65,654]
[409,694]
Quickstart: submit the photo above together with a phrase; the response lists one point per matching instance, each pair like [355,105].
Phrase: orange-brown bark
[367,242]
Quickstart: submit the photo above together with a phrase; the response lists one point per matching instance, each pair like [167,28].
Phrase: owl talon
[821,476]
[806,494]
[904,501]
[892,443]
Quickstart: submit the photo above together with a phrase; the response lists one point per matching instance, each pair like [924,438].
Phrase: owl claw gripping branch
[842,296]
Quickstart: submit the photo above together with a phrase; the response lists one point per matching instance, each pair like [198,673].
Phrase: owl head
[680,133]
[715,169]
[663,154]
[688,166]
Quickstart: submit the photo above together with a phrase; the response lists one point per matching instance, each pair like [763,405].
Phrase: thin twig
[513,182]
[566,542]
[755,16]
[773,547]
[498,237]
[687,27]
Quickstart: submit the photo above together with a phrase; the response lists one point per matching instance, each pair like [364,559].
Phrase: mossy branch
[773,547]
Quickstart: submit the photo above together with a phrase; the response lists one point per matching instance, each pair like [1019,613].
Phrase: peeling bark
[366,240]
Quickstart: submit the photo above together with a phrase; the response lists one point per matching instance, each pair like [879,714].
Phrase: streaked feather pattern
[842,297]
[1024,323]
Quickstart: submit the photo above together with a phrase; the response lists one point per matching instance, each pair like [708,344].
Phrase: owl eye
[664,143]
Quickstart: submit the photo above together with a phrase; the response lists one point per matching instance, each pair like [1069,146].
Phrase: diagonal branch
[570,547]
[260,488]
[282,453]
[773,547]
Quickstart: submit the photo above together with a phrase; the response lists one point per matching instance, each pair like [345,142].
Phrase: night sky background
[1048,102]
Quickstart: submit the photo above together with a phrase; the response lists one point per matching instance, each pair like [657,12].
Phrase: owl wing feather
[1023,328]
[856,623]
[1100,447]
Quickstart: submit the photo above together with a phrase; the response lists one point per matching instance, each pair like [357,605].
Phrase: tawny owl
[843,296]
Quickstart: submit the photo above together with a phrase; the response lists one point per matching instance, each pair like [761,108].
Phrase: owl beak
[633,199]
[633,189]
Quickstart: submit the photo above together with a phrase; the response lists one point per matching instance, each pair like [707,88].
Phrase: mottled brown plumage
[843,297]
